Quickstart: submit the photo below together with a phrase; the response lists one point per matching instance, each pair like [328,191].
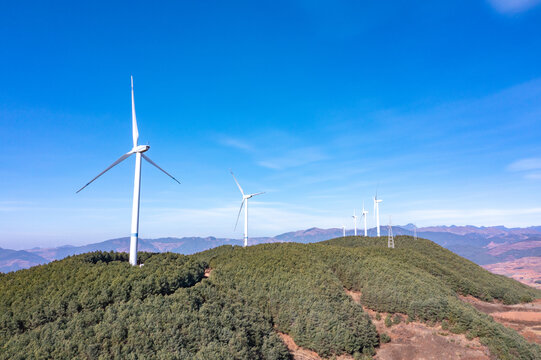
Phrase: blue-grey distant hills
[483,245]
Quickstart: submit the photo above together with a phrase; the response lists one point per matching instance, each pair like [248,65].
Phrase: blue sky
[314,102]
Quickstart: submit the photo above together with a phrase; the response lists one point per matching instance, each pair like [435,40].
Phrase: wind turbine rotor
[135,131]
[240,210]
[234,178]
[121,159]
[259,193]
[156,165]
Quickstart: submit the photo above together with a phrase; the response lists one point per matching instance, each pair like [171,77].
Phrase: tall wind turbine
[365,212]
[376,211]
[355,221]
[138,150]
[343,231]
[244,200]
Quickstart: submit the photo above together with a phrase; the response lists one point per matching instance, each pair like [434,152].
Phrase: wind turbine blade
[259,193]
[153,163]
[241,191]
[135,132]
[122,158]
[238,216]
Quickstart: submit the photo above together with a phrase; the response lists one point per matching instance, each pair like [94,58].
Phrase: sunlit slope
[459,274]
[96,305]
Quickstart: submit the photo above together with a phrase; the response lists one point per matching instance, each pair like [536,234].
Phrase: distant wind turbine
[376,211]
[355,221]
[364,214]
[138,150]
[244,200]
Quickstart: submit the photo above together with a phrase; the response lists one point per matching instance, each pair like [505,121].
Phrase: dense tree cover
[305,299]
[96,306]
[461,275]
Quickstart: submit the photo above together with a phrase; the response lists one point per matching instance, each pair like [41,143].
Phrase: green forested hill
[96,306]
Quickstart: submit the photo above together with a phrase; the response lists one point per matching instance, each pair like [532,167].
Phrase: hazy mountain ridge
[483,245]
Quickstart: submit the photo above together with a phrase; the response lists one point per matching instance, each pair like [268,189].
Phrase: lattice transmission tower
[390,238]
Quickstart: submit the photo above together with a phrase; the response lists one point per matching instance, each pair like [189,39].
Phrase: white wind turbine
[343,231]
[355,221]
[376,211]
[364,213]
[244,200]
[138,150]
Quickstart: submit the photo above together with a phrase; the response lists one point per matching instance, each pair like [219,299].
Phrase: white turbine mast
[390,238]
[343,231]
[376,212]
[355,221]
[364,214]
[244,200]
[138,150]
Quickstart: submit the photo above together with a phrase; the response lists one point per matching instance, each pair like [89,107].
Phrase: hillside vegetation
[96,306]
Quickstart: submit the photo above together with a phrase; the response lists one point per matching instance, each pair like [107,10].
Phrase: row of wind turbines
[364,214]
[139,152]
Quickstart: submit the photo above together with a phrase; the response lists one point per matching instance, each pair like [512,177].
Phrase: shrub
[388,321]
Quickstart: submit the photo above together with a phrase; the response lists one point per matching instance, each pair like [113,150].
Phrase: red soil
[300,353]
[527,270]
[419,341]
[524,318]
[523,245]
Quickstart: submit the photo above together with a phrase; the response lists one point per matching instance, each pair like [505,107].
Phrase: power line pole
[390,238]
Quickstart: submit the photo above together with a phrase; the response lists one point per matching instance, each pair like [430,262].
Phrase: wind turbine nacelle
[140,149]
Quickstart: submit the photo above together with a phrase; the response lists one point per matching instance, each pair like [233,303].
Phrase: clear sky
[314,102]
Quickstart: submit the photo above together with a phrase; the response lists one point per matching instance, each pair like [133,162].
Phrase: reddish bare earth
[207,273]
[527,270]
[524,318]
[419,341]
[498,249]
[300,353]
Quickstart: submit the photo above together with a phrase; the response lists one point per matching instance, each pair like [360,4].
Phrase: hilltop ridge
[95,304]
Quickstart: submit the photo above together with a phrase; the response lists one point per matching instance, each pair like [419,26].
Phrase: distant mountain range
[482,245]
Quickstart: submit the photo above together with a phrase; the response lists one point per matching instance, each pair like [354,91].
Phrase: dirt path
[524,318]
[300,353]
[418,341]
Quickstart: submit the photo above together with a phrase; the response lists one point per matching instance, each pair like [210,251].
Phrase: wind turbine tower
[139,151]
[364,214]
[343,231]
[355,221]
[244,200]
[390,238]
[376,211]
